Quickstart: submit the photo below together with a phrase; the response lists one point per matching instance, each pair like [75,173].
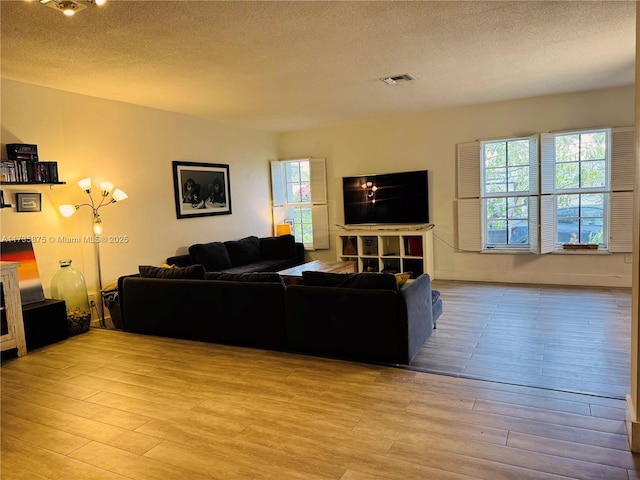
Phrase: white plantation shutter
[622,159]
[468,203]
[533,166]
[547,163]
[533,225]
[320,219]
[470,224]
[318,181]
[319,210]
[623,164]
[621,222]
[547,224]
[278,184]
[468,166]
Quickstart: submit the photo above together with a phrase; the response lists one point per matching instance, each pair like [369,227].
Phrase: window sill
[562,251]
[503,251]
[559,251]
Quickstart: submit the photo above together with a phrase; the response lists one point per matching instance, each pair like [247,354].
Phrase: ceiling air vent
[396,79]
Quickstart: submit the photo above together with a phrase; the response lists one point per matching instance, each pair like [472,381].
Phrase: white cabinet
[12,331]
[388,250]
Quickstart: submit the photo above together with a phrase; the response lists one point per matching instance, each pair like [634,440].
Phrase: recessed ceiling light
[394,80]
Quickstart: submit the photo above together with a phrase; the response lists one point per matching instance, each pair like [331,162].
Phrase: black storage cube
[45,323]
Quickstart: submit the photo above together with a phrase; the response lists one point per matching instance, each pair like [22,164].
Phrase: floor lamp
[107,198]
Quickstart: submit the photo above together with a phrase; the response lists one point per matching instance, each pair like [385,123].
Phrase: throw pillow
[255,277]
[401,278]
[278,248]
[213,256]
[243,251]
[193,272]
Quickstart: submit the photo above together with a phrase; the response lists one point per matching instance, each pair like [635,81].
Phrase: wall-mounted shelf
[33,183]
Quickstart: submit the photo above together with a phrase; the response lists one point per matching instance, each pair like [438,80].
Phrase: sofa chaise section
[383,325]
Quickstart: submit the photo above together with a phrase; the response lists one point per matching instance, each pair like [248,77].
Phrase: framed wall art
[28,202]
[201,189]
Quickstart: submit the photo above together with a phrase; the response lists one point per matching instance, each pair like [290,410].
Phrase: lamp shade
[119,195]
[105,188]
[283,229]
[85,184]
[67,210]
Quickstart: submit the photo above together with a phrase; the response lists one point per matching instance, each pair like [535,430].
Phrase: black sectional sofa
[364,316]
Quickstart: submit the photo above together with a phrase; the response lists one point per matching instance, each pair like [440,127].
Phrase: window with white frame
[587,188]
[507,179]
[578,165]
[585,193]
[506,186]
[299,197]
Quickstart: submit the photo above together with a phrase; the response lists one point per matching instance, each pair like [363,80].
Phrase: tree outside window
[581,160]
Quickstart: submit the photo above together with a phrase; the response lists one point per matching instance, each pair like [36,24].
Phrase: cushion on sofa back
[255,277]
[371,281]
[365,280]
[243,251]
[323,279]
[278,248]
[192,272]
[214,256]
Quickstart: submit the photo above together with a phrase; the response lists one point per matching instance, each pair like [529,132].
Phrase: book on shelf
[50,171]
[8,171]
[22,151]
[28,171]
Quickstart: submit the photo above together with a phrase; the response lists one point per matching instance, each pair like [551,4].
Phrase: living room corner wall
[133,147]
[427,140]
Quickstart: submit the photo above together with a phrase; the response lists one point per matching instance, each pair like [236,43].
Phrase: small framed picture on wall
[28,202]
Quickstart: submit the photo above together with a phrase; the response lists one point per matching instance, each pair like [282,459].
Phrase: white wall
[427,140]
[133,147]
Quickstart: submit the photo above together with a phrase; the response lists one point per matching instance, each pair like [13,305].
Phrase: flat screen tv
[391,198]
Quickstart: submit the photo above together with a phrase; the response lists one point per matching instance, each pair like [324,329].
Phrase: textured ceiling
[291,65]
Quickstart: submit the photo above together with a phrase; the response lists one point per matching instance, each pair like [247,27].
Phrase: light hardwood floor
[113,405]
[574,339]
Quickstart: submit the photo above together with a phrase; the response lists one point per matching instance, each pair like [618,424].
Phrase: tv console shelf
[393,251]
